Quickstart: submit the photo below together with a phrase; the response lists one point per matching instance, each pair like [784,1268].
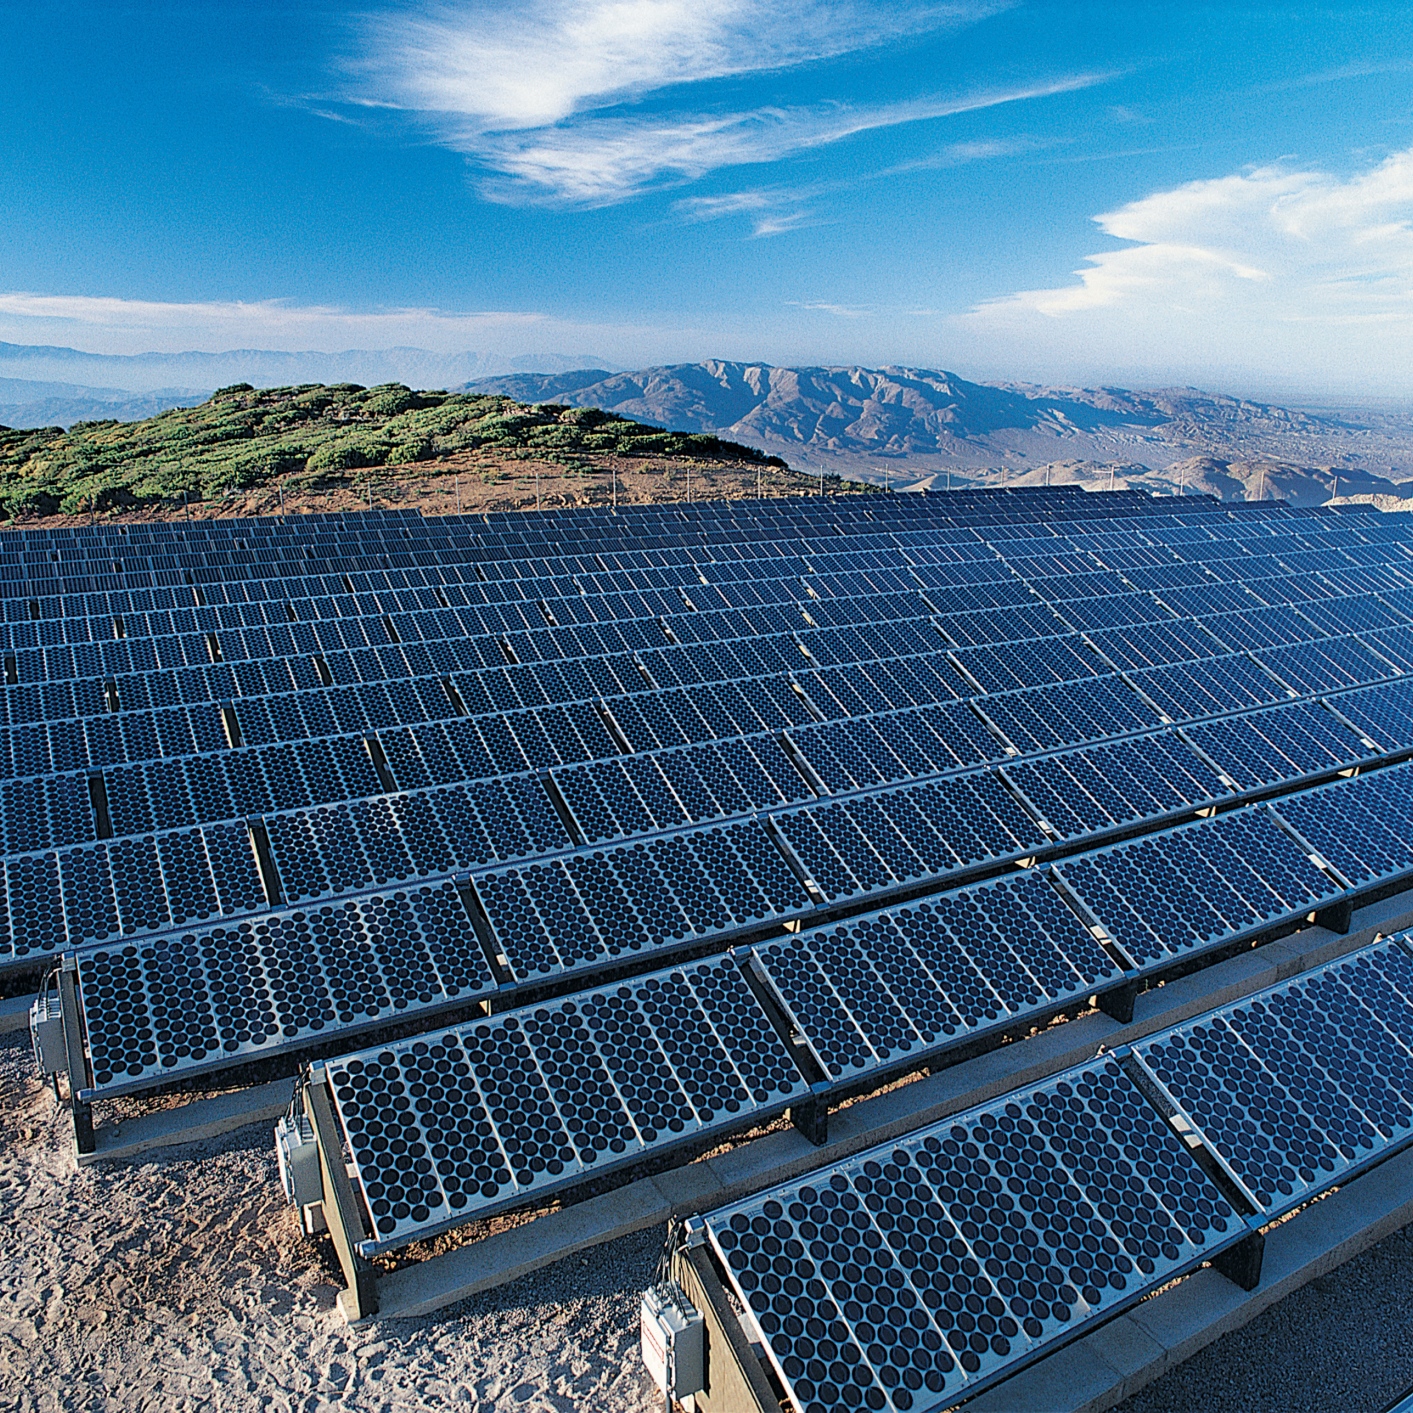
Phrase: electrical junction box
[46,1033]
[674,1346]
[298,1158]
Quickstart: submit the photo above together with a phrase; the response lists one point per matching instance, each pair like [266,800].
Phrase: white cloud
[110,325]
[498,67]
[1282,272]
[575,102]
[839,311]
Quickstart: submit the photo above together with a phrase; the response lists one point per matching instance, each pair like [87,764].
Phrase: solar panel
[1199,885]
[1088,791]
[916,1273]
[509,1108]
[1284,743]
[561,699]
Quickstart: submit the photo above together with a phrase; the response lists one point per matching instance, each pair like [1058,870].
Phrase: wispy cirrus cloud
[498,67]
[776,209]
[584,103]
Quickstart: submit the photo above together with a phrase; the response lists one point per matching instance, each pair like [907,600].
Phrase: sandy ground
[183,1283]
[1344,1342]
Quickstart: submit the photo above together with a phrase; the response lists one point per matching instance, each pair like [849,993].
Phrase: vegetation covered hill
[241,439]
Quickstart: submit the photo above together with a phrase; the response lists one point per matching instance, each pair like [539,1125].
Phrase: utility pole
[537,488]
[1336,488]
[1182,481]
[457,480]
[614,469]
[282,497]
[758,490]
[1111,475]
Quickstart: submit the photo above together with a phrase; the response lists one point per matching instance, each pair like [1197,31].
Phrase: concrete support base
[14,1013]
[189,1123]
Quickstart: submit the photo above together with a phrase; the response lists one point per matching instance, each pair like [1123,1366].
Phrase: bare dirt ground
[183,1283]
[481,482]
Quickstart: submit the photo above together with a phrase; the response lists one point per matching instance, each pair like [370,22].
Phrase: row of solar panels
[307,768]
[375,841]
[221,681]
[420,832]
[914,1274]
[839,571]
[215,567]
[1086,575]
[411,527]
[392,643]
[787,578]
[85,567]
[999,949]
[445,541]
[36,749]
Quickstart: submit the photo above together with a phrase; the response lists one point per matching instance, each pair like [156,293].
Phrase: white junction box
[298,1157]
[46,1033]
[673,1343]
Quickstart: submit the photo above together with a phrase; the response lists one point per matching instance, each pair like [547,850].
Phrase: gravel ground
[1344,1342]
[183,1283]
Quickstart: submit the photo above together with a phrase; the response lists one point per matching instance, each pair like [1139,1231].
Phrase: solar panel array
[915,1274]
[279,782]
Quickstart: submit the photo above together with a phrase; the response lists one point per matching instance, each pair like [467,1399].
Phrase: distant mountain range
[48,386]
[912,424]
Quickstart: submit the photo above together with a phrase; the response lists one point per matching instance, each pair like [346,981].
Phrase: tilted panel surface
[447,1127]
[915,1273]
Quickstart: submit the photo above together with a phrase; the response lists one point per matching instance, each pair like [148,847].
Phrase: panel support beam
[735,1380]
[1117,1002]
[1338,917]
[79,1079]
[811,1117]
[1241,1264]
[359,1299]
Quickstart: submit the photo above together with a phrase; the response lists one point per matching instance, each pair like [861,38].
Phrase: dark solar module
[1186,690]
[1198,885]
[998,669]
[1326,666]
[1067,713]
[506,1108]
[1085,791]
[913,1273]
[1283,743]
[239,990]
[1364,826]
[1157,644]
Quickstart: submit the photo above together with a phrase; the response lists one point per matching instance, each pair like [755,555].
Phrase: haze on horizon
[1082,192]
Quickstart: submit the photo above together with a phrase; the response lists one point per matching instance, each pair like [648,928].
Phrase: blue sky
[1054,190]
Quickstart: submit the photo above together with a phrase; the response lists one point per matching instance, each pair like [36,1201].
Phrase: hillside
[321,440]
[921,422]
